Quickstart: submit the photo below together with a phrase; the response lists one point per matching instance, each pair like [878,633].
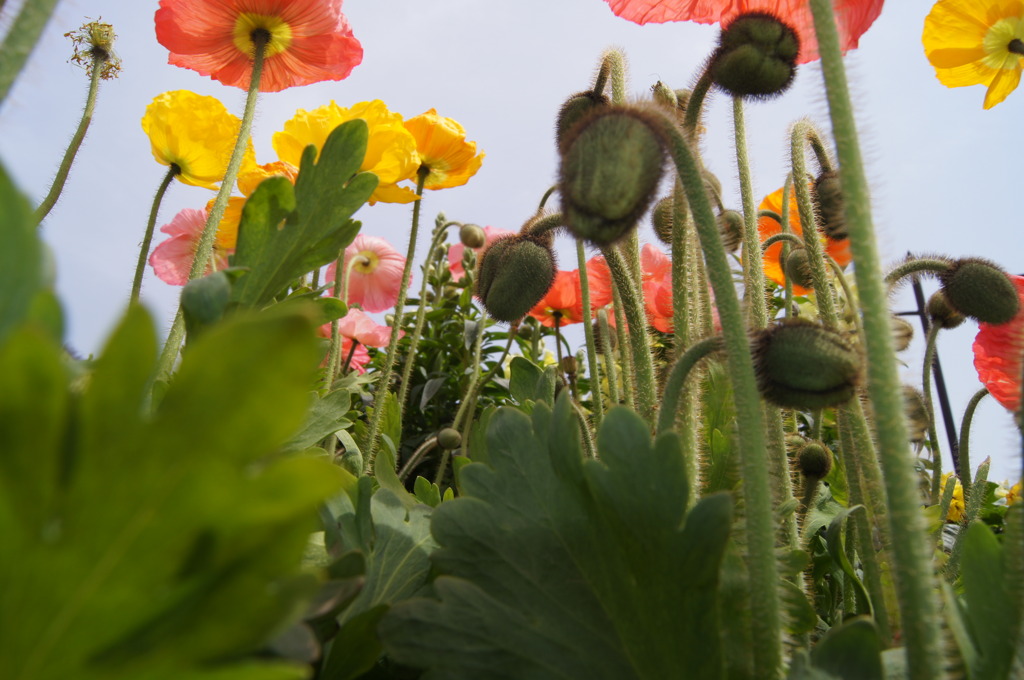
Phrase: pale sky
[945,174]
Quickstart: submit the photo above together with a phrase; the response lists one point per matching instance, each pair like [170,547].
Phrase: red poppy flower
[599,281]
[853,16]
[999,355]
[559,306]
[310,40]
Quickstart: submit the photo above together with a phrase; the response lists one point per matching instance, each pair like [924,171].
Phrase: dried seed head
[902,332]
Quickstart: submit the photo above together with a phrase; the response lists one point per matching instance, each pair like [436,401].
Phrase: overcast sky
[945,174]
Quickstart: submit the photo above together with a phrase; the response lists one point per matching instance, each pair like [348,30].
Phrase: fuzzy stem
[76,142]
[973,499]
[416,456]
[911,555]
[621,345]
[147,239]
[764,600]
[21,38]
[753,267]
[389,360]
[588,334]
[340,291]
[926,392]
[470,399]
[965,437]
[609,355]
[916,266]
[677,378]
[695,104]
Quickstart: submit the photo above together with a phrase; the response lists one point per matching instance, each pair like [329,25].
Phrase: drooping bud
[827,195]
[916,413]
[941,313]
[798,267]
[514,273]
[612,163]
[472,236]
[981,290]
[730,227]
[449,439]
[662,219]
[756,56]
[814,460]
[802,365]
[902,332]
[575,109]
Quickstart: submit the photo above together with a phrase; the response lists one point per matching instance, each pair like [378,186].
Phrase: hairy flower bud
[756,56]
[472,236]
[802,365]
[662,219]
[730,227]
[981,290]
[449,439]
[941,313]
[814,459]
[576,109]
[827,194]
[612,163]
[798,267]
[916,413]
[514,273]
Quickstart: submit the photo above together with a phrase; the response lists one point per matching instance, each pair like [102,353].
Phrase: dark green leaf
[851,651]
[20,256]
[325,416]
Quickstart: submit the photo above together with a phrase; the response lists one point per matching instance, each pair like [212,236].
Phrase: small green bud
[902,332]
[941,313]
[827,194]
[798,267]
[472,236]
[981,290]
[814,459]
[802,365]
[575,109]
[612,163]
[730,226]
[756,56]
[449,439]
[662,219]
[514,273]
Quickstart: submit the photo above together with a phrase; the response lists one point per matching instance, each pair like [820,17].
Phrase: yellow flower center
[247,23]
[366,262]
[997,43]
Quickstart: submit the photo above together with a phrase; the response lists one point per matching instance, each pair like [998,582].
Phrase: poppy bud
[756,56]
[802,365]
[981,290]
[574,110]
[472,236]
[941,313]
[662,219]
[612,163]
[827,194]
[730,226]
[902,332]
[515,272]
[814,459]
[798,268]
[916,413]
[449,439]
[569,365]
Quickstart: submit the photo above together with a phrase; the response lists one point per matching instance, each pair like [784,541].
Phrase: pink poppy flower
[309,40]
[172,259]
[999,355]
[456,251]
[854,17]
[361,328]
[376,274]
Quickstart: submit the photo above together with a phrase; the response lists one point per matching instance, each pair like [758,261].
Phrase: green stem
[965,437]
[677,378]
[617,63]
[787,237]
[926,392]
[588,334]
[760,532]
[416,456]
[972,509]
[469,401]
[803,131]
[695,104]
[147,239]
[753,266]
[609,356]
[911,554]
[76,142]
[21,39]
[622,347]
[389,361]
[916,266]
[632,304]
[340,291]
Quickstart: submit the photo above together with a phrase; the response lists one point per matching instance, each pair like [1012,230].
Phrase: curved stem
[416,457]
[965,437]
[609,355]
[695,104]
[926,392]
[147,239]
[809,222]
[787,237]
[76,141]
[547,194]
[389,360]
[588,334]
[916,266]
[340,291]
[753,266]
[677,378]
[911,554]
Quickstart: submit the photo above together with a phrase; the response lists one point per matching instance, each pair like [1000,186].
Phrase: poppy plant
[854,17]
[308,41]
[999,355]
[970,42]
[769,226]
[376,273]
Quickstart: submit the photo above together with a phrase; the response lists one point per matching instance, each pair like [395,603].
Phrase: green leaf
[325,416]
[20,256]
[164,545]
[552,566]
[21,38]
[835,540]
[530,382]
[851,651]
[315,215]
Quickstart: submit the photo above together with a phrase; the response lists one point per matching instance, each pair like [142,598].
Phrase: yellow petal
[1002,85]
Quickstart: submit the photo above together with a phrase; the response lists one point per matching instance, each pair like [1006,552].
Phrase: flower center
[366,262]
[276,32]
[1004,43]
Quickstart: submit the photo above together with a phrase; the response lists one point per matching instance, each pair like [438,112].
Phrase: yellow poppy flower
[442,147]
[390,151]
[957,510]
[196,134]
[977,42]
[227,230]
[1014,494]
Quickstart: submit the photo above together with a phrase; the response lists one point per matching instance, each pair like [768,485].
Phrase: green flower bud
[798,267]
[941,313]
[612,163]
[981,290]
[827,194]
[472,236]
[902,332]
[449,439]
[730,226]
[515,272]
[661,219]
[916,414]
[756,56]
[802,365]
[575,109]
[814,459]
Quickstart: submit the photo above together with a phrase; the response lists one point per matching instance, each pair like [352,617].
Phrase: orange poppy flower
[768,226]
[853,16]
[310,40]
[559,306]
[599,281]
[999,355]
